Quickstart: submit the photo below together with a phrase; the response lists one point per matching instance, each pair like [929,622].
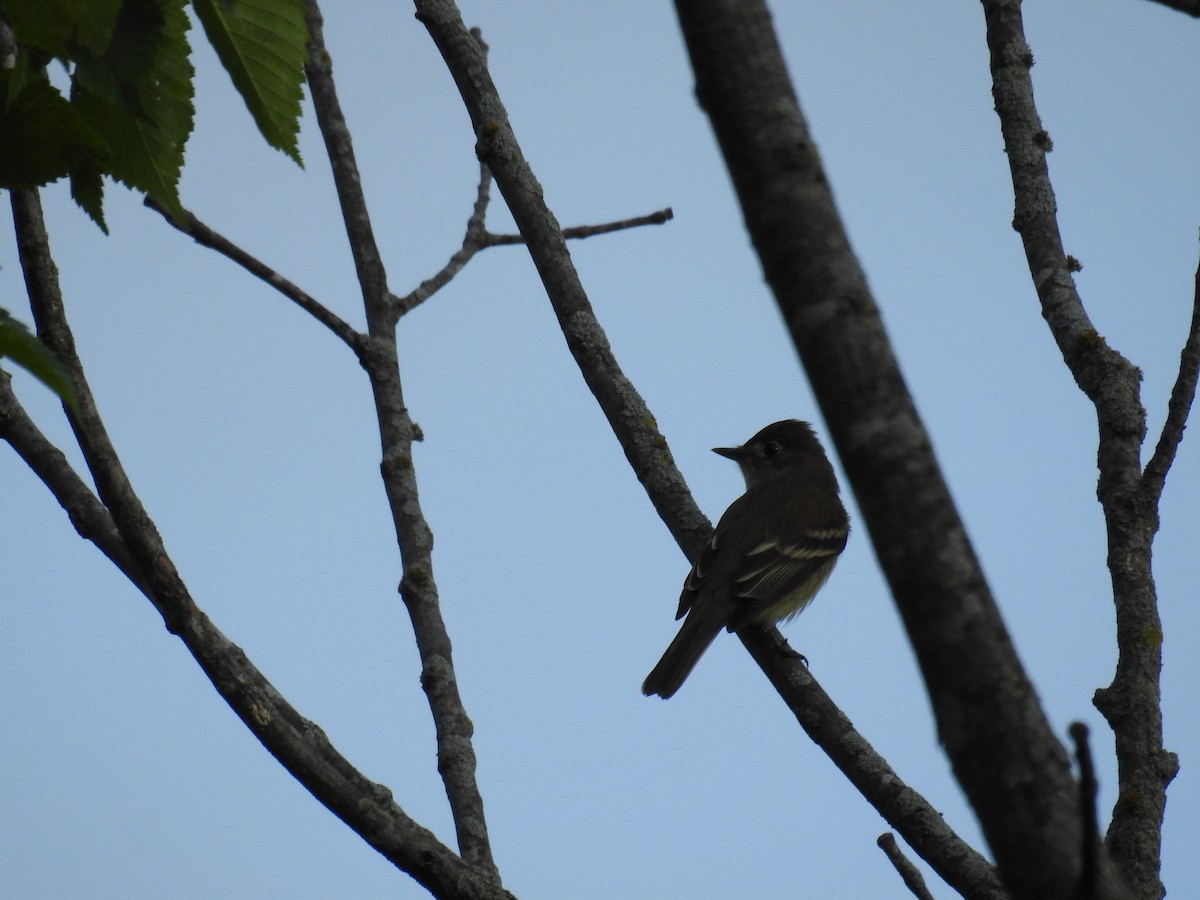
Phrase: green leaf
[62,28]
[20,345]
[138,95]
[87,190]
[42,136]
[263,45]
[19,75]
[130,109]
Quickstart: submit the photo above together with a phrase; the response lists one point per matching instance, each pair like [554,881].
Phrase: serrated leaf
[62,27]
[42,136]
[263,45]
[87,190]
[144,156]
[138,95]
[22,346]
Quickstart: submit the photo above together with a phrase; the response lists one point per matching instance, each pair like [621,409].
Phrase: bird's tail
[694,637]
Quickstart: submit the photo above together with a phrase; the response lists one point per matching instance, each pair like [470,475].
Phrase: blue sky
[249,433]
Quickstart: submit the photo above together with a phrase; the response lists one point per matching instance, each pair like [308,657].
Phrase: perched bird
[770,553]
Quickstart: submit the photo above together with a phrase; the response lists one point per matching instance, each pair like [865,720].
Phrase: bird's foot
[785,648]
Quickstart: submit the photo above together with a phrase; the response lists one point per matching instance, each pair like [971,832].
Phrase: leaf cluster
[127,111]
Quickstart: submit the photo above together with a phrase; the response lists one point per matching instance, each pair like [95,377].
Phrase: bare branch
[86,512]
[988,715]
[45,301]
[908,872]
[478,238]
[626,411]
[474,240]
[923,827]
[207,237]
[1179,406]
[579,232]
[1131,704]
[455,749]
[624,408]
[299,745]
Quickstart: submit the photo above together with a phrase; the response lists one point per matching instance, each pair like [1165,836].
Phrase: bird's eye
[770,448]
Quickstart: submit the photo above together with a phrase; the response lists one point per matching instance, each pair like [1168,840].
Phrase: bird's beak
[734,453]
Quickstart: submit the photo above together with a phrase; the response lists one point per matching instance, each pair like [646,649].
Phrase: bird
[771,551]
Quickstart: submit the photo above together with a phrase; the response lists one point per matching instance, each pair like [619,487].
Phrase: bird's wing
[695,578]
[777,578]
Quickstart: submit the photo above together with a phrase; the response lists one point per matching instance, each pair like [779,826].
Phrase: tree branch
[206,237]
[626,411]
[1131,704]
[474,240]
[579,232]
[1179,406]
[297,743]
[923,827]
[455,750]
[86,512]
[478,238]
[496,146]
[988,716]
[908,872]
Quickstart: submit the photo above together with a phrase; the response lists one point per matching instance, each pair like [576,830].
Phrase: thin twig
[418,589]
[578,232]
[908,872]
[478,238]
[473,241]
[207,237]
[1179,406]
